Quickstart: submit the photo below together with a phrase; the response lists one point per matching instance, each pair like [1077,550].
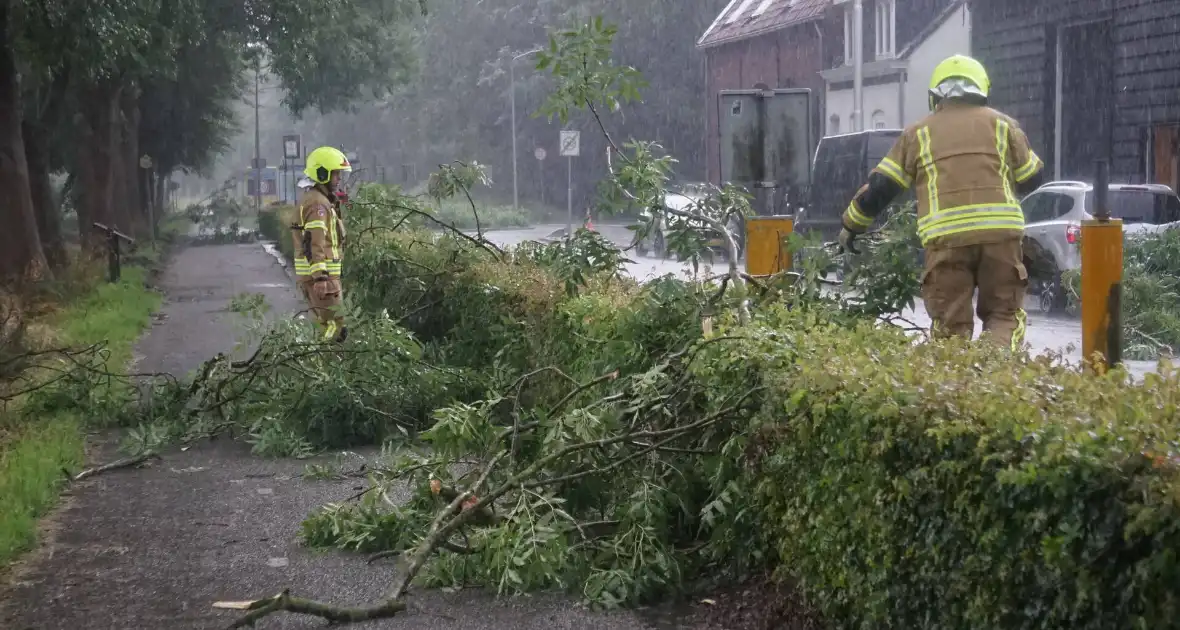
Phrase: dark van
[841,166]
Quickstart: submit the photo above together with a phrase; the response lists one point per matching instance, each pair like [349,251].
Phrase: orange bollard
[1102,277]
[766,244]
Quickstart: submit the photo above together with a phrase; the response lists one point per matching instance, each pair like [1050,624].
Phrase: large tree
[21,257]
[111,80]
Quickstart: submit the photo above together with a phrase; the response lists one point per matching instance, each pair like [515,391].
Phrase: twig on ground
[127,462]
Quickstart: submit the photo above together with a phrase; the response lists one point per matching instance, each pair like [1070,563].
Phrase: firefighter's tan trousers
[324,304]
[997,269]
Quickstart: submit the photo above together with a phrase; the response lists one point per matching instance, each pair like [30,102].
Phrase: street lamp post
[256,48]
[858,56]
[512,99]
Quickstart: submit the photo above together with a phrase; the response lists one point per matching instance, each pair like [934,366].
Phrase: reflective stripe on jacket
[963,162]
[302,267]
[321,235]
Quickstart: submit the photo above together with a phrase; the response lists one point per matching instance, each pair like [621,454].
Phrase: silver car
[1053,216]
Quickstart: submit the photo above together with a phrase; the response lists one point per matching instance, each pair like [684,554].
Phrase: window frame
[847,35]
[886,29]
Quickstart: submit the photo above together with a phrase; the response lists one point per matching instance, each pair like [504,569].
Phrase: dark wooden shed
[1064,68]
[781,43]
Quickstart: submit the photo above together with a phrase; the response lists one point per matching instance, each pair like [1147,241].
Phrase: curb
[278,256]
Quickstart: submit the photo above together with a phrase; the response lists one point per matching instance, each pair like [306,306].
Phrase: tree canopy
[95,84]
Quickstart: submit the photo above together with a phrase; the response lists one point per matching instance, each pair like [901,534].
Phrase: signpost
[766,143]
[291,155]
[571,147]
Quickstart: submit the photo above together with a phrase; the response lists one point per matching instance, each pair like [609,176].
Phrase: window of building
[848,34]
[834,125]
[878,119]
[886,31]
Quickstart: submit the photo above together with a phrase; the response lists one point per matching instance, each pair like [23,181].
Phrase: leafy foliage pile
[222,220]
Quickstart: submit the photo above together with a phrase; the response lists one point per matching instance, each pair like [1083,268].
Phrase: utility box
[766,137]
[767,252]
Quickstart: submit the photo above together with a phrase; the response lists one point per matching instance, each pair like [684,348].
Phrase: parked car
[682,197]
[840,166]
[1053,216]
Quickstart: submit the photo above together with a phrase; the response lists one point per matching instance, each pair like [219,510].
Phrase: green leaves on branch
[457,178]
[578,260]
[581,63]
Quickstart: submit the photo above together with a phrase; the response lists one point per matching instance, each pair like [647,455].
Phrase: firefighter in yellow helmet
[969,166]
[321,240]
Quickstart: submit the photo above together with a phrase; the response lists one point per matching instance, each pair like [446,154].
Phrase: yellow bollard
[1102,277]
[766,244]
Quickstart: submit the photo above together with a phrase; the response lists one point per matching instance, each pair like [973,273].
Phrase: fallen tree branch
[127,462]
[440,530]
[333,614]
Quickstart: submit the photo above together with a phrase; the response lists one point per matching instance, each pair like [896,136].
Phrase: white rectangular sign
[571,143]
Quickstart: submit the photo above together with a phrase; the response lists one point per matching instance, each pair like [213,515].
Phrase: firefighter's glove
[847,241]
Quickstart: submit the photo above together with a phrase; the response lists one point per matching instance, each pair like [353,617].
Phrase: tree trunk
[119,197]
[21,257]
[134,175]
[126,217]
[161,192]
[96,163]
[46,209]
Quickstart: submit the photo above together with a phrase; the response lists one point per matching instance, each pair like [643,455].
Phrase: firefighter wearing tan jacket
[322,240]
[968,165]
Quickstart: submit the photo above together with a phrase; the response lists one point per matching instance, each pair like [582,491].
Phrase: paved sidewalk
[151,549]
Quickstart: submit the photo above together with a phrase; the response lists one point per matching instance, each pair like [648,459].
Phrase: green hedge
[940,485]
[949,485]
[272,224]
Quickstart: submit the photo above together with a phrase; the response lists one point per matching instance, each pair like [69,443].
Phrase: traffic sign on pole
[571,143]
[291,147]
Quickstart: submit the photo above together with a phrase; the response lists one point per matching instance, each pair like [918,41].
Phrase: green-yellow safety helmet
[323,161]
[970,71]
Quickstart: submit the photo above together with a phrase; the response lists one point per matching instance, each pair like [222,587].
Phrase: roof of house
[742,19]
[930,28]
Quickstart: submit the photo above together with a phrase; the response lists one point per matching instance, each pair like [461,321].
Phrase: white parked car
[683,197]
[1053,216]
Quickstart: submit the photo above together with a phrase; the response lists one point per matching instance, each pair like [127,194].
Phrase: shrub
[273,225]
[951,485]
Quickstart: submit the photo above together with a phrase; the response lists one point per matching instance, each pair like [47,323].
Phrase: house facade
[903,41]
[777,43]
[1087,79]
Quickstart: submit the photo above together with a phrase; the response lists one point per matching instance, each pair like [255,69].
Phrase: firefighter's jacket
[321,236]
[966,164]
